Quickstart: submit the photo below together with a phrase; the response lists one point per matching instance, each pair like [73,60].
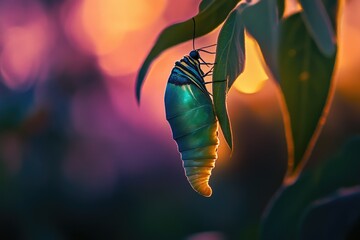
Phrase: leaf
[261,21]
[331,7]
[204,4]
[206,21]
[321,219]
[305,80]
[283,215]
[318,24]
[281,7]
[230,58]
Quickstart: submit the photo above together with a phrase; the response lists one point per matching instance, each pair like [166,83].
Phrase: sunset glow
[254,76]
[24,47]
[102,126]
[106,22]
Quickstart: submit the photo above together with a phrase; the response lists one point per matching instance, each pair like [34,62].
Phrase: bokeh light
[25,40]
[254,75]
[291,7]
[207,236]
[110,30]
[106,22]
[348,71]
[130,52]
[81,159]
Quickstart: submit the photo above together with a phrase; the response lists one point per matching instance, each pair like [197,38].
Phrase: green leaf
[204,4]
[206,21]
[261,21]
[319,25]
[283,216]
[305,80]
[331,7]
[281,8]
[321,219]
[230,58]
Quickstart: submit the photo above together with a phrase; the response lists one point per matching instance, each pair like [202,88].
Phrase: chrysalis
[189,110]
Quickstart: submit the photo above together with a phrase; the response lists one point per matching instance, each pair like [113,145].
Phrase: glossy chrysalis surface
[190,113]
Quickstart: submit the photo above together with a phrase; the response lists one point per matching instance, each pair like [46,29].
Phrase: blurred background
[79,159]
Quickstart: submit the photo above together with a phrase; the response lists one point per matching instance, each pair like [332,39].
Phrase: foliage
[230,57]
[284,216]
[305,79]
[321,215]
[300,52]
